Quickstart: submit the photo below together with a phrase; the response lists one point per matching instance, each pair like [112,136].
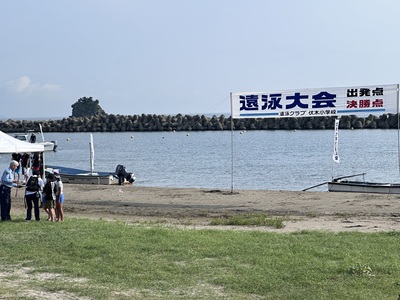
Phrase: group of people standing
[47,193]
[27,162]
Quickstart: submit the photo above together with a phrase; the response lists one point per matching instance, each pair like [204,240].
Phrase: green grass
[114,260]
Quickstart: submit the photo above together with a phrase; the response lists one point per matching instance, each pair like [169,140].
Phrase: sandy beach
[195,208]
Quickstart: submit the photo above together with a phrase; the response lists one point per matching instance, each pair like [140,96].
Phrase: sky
[186,56]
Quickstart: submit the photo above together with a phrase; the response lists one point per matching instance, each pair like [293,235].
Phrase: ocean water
[251,160]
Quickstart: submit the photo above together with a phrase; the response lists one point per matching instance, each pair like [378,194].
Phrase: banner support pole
[231,143]
[398,128]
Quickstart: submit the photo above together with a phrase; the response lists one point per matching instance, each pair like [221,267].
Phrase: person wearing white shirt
[7,182]
[59,198]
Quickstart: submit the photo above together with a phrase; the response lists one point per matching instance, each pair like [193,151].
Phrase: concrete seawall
[148,122]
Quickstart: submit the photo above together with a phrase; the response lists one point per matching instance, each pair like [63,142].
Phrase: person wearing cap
[50,192]
[7,182]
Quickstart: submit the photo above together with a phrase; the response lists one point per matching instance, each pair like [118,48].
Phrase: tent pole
[43,156]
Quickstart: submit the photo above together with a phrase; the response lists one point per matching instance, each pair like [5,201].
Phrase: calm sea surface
[259,160]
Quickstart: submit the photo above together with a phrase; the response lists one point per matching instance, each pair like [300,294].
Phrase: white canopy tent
[9,144]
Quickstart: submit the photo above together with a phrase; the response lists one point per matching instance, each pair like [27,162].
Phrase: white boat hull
[89,179]
[363,187]
[48,146]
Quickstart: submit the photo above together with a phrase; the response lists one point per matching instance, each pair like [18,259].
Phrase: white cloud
[50,87]
[22,92]
[19,85]
[24,85]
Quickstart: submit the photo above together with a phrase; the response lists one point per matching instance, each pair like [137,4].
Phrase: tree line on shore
[150,122]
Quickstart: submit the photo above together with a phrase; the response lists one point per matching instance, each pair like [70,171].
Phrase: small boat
[77,176]
[29,138]
[354,186]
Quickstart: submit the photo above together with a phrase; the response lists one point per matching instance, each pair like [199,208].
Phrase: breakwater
[148,122]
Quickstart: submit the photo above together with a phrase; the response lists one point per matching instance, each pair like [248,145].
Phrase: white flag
[336,142]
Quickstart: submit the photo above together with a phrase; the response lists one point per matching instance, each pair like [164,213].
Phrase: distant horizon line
[4,118]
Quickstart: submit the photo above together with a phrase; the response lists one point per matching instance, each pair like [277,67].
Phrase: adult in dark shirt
[32,138]
[25,163]
[17,157]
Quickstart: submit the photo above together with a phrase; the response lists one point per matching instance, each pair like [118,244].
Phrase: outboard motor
[55,145]
[123,174]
